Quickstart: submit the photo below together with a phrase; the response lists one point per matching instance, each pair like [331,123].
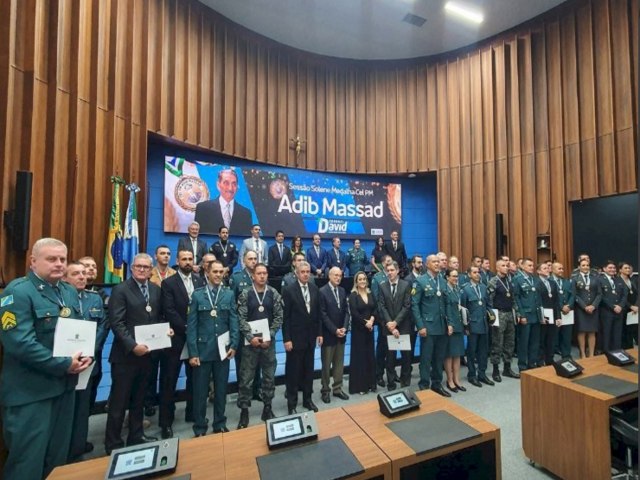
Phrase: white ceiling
[373,29]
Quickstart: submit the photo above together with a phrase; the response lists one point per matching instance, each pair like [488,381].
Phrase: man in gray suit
[394,314]
[192,243]
[255,243]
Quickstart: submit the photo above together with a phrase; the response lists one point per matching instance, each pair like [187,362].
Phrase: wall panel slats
[539,116]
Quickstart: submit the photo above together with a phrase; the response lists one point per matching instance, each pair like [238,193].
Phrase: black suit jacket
[175,302]
[127,309]
[299,326]
[399,255]
[185,244]
[396,308]
[332,316]
[209,216]
[279,267]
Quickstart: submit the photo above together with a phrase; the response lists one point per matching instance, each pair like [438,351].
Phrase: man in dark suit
[335,256]
[335,322]
[301,330]
[279,257]
[224,210]
[194,244]
[614,301]
[134,302]
[225,252]
[317,257]
[395,249]
[176,295]
[394,314]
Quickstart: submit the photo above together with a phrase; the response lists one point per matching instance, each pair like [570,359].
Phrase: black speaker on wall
[501,238]
[18,220]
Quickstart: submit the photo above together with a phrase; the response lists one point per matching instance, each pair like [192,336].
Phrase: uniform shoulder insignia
[6,301]
[8,321]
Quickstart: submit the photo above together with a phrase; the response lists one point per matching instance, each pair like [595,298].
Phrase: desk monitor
[291,429]
[397,402]
[146,460]
[567,368]
[619,358]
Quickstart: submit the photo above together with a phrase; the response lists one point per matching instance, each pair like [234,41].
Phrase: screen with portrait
[300,202]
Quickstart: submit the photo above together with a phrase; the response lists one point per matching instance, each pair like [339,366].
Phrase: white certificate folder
[260,328]
[155,336]
[401,343]
[73,336]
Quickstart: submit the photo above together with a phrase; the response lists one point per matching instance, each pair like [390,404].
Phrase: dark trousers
[381,352]
[528,345]
[96,377]
[564,340]
[128,387]
[151,394]
[37,436]
[548,337]
[629,332]
[405,367]
[610,331]
[201,375]
[80,422]
[299,371]
[433,349]
[170,365]
[477,353]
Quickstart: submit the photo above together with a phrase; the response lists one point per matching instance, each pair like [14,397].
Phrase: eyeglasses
[142,267]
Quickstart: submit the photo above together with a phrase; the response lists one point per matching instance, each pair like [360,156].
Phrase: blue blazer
[317,262]
[332,316]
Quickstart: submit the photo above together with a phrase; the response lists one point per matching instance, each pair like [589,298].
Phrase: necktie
[280,249]
[145,292]
[188,283]
[395,246]
[305,294]
[611,282]
[258,250]
[227,215]
[335,294]
[393,290]
[194,246]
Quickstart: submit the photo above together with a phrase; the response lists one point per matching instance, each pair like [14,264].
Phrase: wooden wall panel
[538,117]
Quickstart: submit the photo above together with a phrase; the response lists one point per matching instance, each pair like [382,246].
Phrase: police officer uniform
[212,312]
[566,294]
[527,304]
[356,261]
[455,342]
[428,307]
[253,305]
[36,392]
[587,293]
[500,290]
[474,297]
[91,309]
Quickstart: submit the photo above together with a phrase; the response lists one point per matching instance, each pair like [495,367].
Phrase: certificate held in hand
[155,336]
[73,336]
[403,342]
[260,329]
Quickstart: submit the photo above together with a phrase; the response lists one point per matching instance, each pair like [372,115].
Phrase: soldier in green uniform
[36,389]
[356,258]
[92,310]
[527,305]
[428,307]
[212,312]
[259,302]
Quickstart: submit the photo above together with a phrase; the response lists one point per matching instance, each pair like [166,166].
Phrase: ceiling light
[464,12]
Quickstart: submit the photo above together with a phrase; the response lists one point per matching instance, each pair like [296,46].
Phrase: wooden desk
[565,426]
[368,417]
[201,457]
[243,446]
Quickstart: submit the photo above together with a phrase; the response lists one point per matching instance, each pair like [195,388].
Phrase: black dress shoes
[220,430]
[460,388]
[309,405]
[325,398]
[292,411]
[149,411]
[244,418]
[507,372]
[440,391]
[380,382]
[453,389]
[167,432]
[391,386]
[486,381]
[475,382]
[199,435]
[341,395]
[143,439]
[88,447]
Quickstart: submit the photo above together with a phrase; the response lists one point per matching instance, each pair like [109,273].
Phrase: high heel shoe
[460,387]
[453,389]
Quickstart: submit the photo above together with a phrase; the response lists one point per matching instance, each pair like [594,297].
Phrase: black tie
[393,290]
[335,294]
[145,292]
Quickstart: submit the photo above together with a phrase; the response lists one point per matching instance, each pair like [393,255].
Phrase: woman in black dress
[376,255]
[362,369]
